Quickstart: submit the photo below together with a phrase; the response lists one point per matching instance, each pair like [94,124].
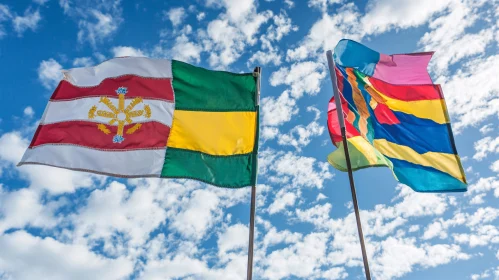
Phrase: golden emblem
[120,115]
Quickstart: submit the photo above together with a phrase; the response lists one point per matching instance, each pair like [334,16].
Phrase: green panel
[223,171]
[199,89]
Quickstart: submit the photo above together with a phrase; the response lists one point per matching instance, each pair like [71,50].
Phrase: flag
[140,117]
[394,117]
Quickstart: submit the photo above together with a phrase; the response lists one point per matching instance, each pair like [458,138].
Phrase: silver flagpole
[341,119]
[258,72]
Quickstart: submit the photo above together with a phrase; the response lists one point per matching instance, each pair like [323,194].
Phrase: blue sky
[58,224]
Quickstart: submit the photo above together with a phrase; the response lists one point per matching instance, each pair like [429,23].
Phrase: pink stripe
[404,69]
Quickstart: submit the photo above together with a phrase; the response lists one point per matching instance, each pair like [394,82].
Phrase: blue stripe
[421,135]
[425,179]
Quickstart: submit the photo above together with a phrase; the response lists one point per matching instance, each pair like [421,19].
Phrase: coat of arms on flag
[123,114]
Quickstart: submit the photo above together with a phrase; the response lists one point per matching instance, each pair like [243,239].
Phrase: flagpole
[341,120]
[258,73]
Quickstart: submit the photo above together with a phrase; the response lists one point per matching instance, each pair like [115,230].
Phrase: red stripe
[334,124]
[137,87]
[407,92]
[384,115]
[84,133]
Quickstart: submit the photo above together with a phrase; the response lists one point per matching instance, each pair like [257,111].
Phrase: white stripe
[140,66]
[77,109]
[119,163]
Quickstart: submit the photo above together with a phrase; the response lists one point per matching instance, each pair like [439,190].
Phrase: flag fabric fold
[396,118]
[140,117]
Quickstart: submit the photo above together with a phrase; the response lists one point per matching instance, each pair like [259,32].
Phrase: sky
[59,224]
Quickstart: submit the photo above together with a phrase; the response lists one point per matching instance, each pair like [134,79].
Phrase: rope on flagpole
[257,72]
[341,120]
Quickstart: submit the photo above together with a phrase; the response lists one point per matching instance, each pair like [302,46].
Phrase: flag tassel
[341,120]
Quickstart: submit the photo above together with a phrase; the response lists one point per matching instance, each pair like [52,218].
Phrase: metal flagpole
[258,72]
[341,119]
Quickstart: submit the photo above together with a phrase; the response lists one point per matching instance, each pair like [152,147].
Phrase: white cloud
[30,20]
[185,50]
[83,62]
[50,73]
[264,58]
[475,44]
[448,30]
[317,215]
[326,32]
[320,197]
[233,238]
[495,166]
[115,214]
[414,228]
[478,199]
[22,208]
[281,201]
[4,12]
[120,51]
[228,36]
[471,95]
[195,219]
[483,275]
[302,77]
[323,4]
[399,256]
[101,27]
[274,237]
[384,15]
[486,129]
[301,259]
[300,136]
[176,267]
[484,184]
[483,235]
[485,147]
[28,111]
[4,16]
[200,16]
[297,171]
[482,216]
[276,111]
[282,26]
[24,257]
[175,15]
[268,132]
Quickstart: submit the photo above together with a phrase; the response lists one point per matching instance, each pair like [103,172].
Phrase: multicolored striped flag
[141,117]
[394,116]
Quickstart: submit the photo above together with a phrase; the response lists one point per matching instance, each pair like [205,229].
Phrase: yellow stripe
[214,133]
[365,148]
[447,163]
[434,109]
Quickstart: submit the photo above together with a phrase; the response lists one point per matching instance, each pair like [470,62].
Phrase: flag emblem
[120,115]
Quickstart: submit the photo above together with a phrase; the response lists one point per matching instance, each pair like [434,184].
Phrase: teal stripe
[348,53]
[425,179]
